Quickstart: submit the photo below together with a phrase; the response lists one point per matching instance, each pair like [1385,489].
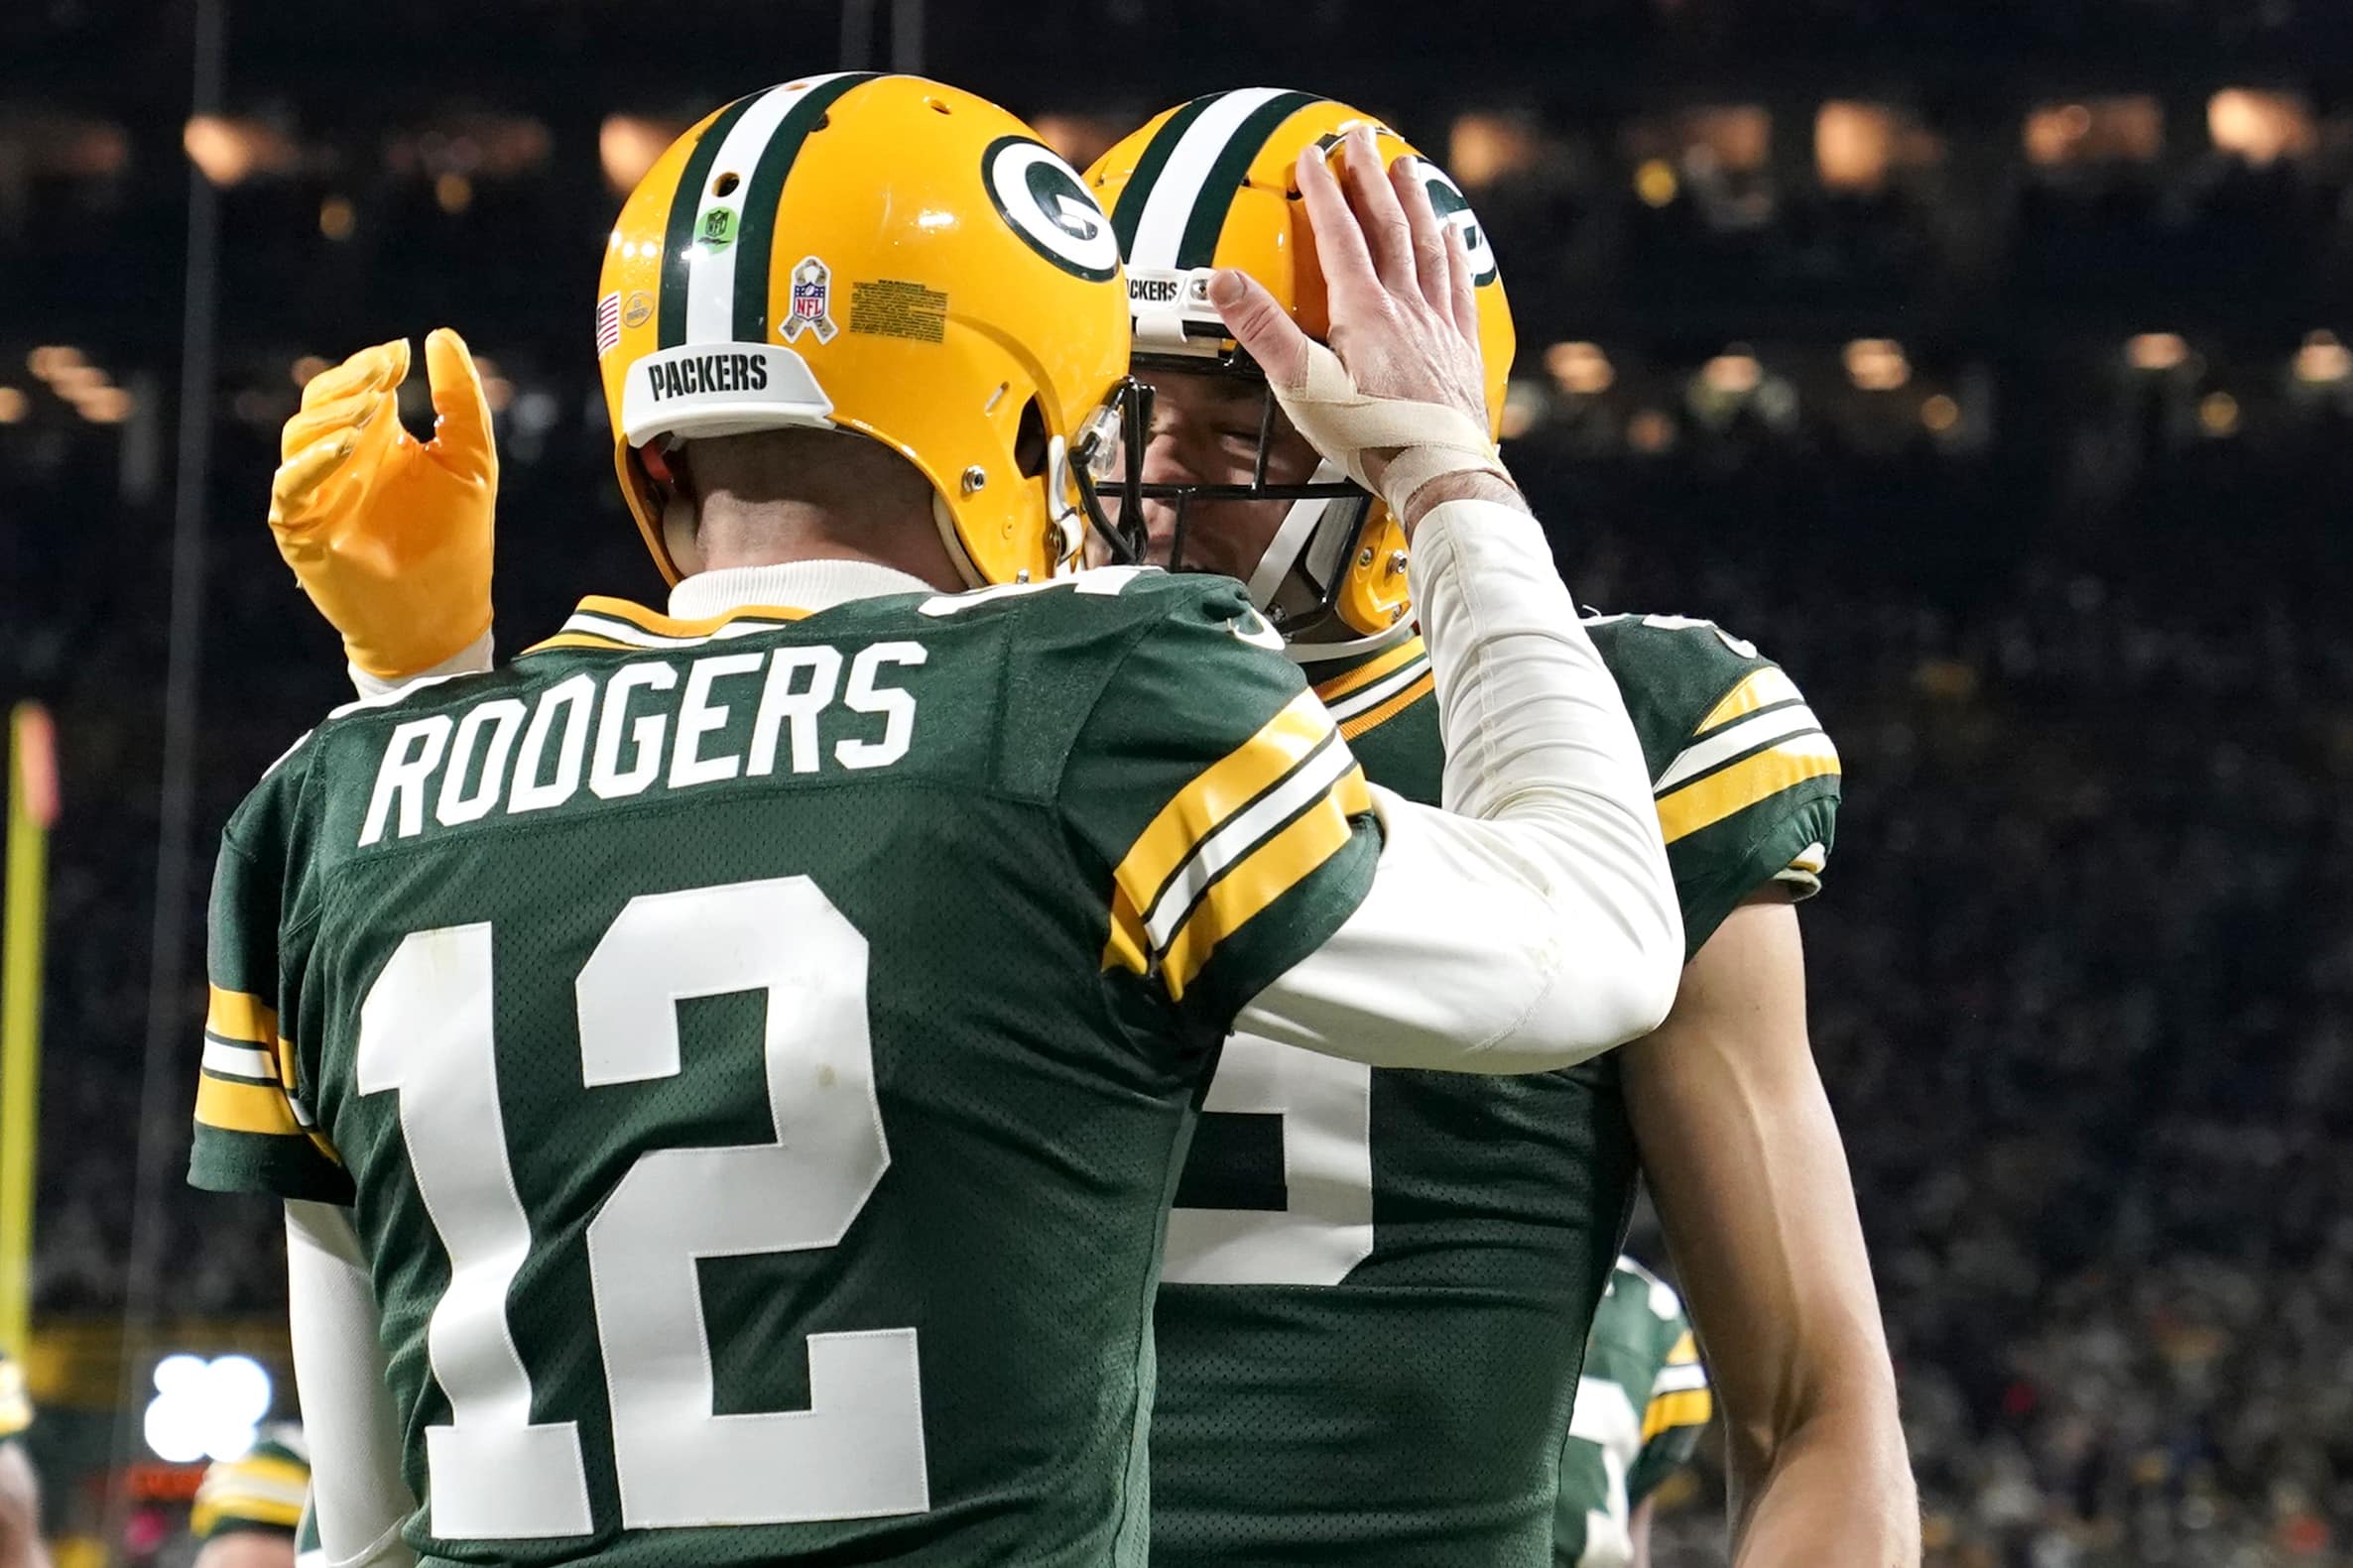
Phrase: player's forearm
[358,1491]
[1540,751]
[1835,1488]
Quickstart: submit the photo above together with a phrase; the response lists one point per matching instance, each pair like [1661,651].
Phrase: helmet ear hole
[1029,440]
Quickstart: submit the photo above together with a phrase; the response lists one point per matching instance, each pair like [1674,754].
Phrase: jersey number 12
[424,1035]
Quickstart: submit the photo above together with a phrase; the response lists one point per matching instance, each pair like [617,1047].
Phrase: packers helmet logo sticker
[813,302]
[1454,209]
[1043,200]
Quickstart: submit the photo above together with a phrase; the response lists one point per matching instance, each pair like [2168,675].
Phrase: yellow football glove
[389,537]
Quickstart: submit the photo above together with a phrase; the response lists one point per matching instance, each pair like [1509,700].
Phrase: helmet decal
[1043,200]
[721,234]
[1454,210]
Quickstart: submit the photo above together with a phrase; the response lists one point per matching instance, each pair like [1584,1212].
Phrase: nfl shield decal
[813,302]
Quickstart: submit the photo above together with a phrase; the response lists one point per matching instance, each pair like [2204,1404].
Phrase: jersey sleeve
[267,1490]
[1228,827]
[253,1133]
[1678,1410]
[1745,778]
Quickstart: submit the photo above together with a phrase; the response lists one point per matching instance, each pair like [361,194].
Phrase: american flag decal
[608,324]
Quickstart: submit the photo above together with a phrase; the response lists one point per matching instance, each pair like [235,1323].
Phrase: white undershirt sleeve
[357,1491]
[1534,922]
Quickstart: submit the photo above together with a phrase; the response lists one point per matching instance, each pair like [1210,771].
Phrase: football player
[250,1512]
[1435,1244]
[758,1041]
[1642,1403]
[20,1489]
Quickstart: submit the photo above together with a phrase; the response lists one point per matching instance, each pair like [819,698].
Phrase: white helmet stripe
[1168,207]
[710,276]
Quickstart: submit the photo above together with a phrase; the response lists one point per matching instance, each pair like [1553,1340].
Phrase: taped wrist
[1431,440]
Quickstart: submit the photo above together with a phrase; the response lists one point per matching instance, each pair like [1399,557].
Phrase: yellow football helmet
[1212,183]
[878,254]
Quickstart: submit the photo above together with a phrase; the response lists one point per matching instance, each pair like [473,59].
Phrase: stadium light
[1484,148]
[305,370]
[1735,373]
[2324,360]
[50,358]
[2218,415]
[1581,370]
[1940,414]
[1854,143]
[230,150]
[337,218]
[205,1408]
[2260,127]
[1656,182]
[2155,352]
[13,405]
[1877,364]
[628,145]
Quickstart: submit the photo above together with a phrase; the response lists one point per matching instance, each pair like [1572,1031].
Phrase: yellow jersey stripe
[1352,728]
[644,620]
[1224,788]
[1272,869]
[239,1016]
[1372,669]
[1707,801]
[1687,1351]
[1762,689]
[587,640]
[1690,1408]
[245,1106]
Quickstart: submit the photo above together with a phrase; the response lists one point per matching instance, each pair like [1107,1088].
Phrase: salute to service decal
[813,302]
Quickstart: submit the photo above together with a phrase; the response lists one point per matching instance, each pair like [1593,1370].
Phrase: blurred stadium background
[1984,360]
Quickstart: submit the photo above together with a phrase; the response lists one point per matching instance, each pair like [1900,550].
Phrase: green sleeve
[253,1132]
[1219,810]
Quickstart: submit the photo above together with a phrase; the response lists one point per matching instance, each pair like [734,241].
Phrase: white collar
[800,584]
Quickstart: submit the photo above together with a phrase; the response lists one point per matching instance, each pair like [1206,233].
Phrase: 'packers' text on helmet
[878,254]
[1212,183]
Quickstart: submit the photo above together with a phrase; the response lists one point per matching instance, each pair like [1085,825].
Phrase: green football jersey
[1378,1283]
[266,1489]
[1641,1403]
[759,1054]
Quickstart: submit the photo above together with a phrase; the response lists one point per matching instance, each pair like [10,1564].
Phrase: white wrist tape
[1431,440]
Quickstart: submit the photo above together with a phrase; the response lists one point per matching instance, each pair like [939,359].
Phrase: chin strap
[1432,441]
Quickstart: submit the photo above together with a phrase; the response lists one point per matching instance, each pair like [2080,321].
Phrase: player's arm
[1534,924]
[359,1498]
[1744,1161]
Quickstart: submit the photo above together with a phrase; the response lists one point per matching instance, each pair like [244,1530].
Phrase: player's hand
[1398,398]
[389,536]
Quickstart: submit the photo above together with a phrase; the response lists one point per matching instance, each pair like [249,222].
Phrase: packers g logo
[1043,200]
[1454,209]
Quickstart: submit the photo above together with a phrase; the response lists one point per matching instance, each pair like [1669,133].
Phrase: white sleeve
[471,659]
[1534,922]
[357,1491]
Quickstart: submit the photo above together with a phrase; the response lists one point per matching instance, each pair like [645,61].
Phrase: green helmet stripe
[1130,210]
[678,229]
[1199,248]
[764,192]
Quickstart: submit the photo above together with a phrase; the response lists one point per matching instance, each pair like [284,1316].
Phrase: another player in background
[1435,1246]
[1006,867]
[251,1511]
[1642,1403]
[20,1489]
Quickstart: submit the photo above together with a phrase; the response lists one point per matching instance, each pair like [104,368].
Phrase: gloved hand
[389,537]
